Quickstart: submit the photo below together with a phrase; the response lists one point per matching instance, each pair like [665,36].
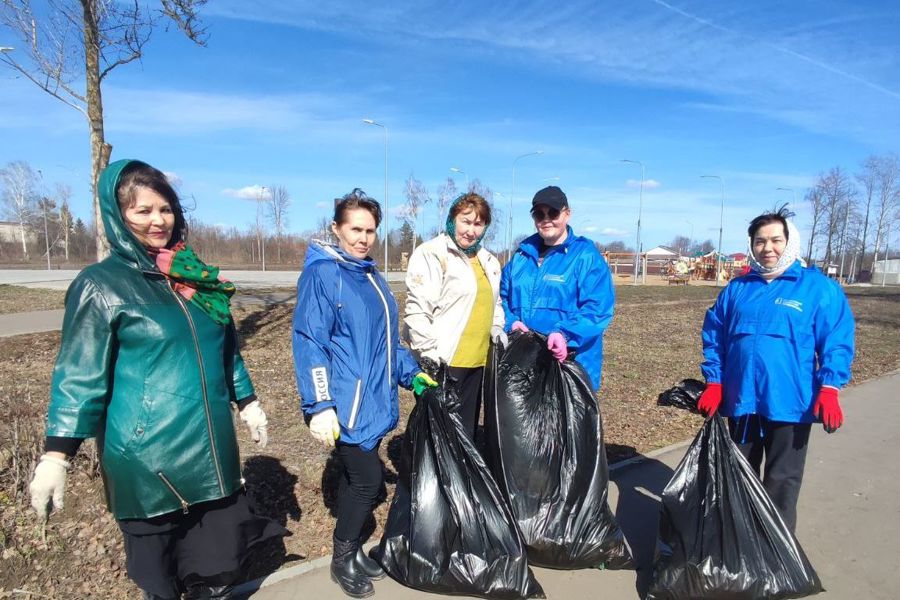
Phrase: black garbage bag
[544,440]
[684,395]
[720,536]
[449,530]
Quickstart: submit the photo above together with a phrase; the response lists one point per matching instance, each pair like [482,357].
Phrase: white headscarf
[791,253]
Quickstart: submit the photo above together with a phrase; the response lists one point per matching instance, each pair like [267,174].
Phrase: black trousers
[358,490]
[784,447]
[168,554]
[468,382]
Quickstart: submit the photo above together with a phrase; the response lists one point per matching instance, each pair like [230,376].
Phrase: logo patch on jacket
[320,384]
[555,278]
[795,304]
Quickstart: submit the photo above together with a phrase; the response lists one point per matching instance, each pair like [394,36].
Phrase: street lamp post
[637,255]
[690,239]
[721,222]
[512,195]
[458,170]
[385,232]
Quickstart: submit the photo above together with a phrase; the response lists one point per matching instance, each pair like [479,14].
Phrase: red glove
[556,343]
[828,409]
[710,399]
[519,326]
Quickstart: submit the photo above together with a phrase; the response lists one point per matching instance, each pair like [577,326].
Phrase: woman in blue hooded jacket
[778,345]
[348,361]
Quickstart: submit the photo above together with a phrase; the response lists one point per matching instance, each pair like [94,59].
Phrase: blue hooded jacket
[773,345]
[346,344]
[570,291]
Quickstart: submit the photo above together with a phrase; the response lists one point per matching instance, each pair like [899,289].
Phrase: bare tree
[19,196]
[837,195]
[816,201]
[278,204]
[868,181]
[446,194]
[65,41]
[63,194]
[416,199]
[887,200]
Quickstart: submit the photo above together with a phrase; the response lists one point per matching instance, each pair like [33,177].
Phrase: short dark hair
[779,215]
[355,200]
[472,201]
[138,174]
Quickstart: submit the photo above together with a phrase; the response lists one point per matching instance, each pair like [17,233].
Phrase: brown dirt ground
[654,342]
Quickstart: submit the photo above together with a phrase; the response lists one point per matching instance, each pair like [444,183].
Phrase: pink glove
[556,343]
[519,326]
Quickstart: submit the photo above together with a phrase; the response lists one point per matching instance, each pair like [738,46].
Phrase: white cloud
[828,68]
[649,184]
[613,232]
[321,205]
[589,229]
[174,178]
[249,192]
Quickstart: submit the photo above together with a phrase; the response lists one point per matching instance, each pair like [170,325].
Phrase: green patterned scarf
[197,282]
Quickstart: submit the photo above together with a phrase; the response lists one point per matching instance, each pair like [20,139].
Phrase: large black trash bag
[685,395]
[449,530]
[720,536]
[545,447]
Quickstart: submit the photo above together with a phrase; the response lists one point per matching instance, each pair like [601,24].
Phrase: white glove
[49,481]
[256,421]
[498,336]
[324,426]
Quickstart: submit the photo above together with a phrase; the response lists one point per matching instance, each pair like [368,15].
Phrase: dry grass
[17,298]
[653,342]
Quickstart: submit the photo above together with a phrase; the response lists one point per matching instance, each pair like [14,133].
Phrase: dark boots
[368,566]
[347,573]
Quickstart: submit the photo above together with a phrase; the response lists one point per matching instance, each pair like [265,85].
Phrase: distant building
[886,271]
[9,232]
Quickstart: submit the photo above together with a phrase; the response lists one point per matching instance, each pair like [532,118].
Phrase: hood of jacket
[122,242]
[323,251]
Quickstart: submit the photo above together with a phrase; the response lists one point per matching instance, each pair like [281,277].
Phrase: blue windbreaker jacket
[773,345]
[571,292]
[346,343]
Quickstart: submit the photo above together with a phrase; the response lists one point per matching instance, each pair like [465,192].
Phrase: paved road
[60,280]
[849,516]
[51,320]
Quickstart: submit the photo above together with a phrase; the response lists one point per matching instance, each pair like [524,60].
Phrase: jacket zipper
[209,427]
[355,407]
[387,320]
[165,480]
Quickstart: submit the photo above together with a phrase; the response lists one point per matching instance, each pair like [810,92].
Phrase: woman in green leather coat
[149,365]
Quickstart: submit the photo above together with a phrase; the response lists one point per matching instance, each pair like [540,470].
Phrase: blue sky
[763,94]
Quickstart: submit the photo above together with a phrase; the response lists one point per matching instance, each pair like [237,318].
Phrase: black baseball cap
[551,196]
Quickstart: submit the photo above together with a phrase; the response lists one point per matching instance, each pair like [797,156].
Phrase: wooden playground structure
[682,270]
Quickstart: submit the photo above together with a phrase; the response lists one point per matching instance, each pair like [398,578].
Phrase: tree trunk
[100,150]
[24,246]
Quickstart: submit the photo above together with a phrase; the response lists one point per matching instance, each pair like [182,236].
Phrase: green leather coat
[150,376]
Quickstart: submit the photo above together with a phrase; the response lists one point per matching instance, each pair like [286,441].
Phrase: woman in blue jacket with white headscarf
[777,347]
[348,362]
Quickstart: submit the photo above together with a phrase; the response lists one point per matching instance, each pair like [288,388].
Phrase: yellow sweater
[475,340]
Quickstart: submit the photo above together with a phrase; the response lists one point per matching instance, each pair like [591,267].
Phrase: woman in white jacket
[453,307]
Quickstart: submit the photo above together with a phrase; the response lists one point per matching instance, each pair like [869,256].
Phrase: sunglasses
[539,215]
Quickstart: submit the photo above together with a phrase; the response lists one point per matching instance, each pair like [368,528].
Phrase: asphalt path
[51,320]
[849,516]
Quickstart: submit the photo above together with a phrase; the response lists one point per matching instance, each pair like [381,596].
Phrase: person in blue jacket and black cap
[348,362]
[777,347]
[558,284]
